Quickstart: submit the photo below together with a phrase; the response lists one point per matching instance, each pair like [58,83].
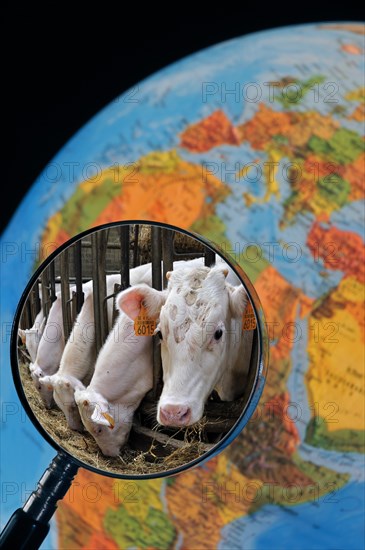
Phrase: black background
[74,59]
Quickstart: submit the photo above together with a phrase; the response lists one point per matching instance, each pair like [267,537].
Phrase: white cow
[47,345]
[79,355]
[49,352]
[78,358]
[202,344]
[31,337]
[122,377]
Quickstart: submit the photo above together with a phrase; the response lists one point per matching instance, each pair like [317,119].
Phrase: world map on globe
[256,144]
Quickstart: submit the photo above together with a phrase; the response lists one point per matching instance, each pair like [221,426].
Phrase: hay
[84,447]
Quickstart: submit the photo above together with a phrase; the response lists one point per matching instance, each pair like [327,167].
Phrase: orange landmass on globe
[358,114]
[216,129]
[180,197]
[54,235]
[305,193]
[264,124]
[130,500]
[325,169]
[351,48]
[216,495]
[340,250]
[356,28]
[87,489]
[72,529]
[296,127]
[270,435]
[279,406]
[335,377]
[281,310]
[354,174]
[349,295]
[163,187]
[99,541]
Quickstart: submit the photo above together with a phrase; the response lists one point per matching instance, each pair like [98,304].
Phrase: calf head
[30,337]
[63,387]
[200,329]
[108,424]
[45,392]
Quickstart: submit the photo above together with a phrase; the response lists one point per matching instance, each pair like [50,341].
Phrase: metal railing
[65,281]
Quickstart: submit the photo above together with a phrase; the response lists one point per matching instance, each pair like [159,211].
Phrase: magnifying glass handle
[28,526]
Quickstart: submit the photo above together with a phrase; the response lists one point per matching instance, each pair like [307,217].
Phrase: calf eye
[159,334]
[218,334]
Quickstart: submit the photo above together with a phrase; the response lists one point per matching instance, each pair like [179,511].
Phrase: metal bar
[37,299]
[157,284]
[167,252]
[115,310]
[124,256]
[136,246]
[156,257]
[78,275]
[33,305]
[27,316]
[186,255]
[73,279]
[209,257]
[45,292]
[52,283]
[95,277]
[113,246]
[98,240]
[65,294]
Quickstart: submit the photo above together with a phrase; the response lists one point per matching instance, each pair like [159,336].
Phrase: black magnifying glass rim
[257,386]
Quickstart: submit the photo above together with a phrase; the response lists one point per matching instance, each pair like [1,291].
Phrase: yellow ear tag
[249,319]
[143,324]
[110,419]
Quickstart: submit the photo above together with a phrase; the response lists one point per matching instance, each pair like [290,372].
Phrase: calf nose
[175,415]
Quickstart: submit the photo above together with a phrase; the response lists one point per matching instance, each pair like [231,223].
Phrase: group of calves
[198,319]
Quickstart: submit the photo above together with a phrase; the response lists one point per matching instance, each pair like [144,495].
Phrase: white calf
[202,344]
[122,377]
[31,336]
[49,351]
[79,356]
[77,360]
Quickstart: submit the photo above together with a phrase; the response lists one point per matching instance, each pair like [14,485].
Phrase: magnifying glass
[138,350]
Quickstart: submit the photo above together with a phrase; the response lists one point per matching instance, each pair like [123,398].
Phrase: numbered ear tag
[143,324]
[249,319]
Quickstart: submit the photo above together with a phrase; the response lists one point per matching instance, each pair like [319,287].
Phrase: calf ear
[102,417]
[131,300]
[83,400]
[21,334]
[238,300]
[35,370]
